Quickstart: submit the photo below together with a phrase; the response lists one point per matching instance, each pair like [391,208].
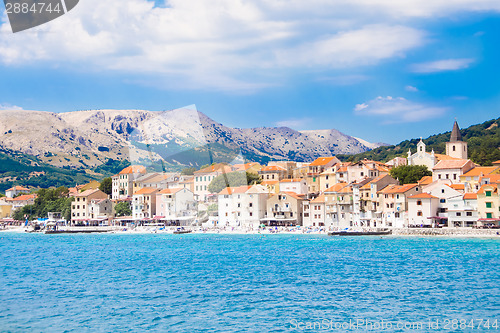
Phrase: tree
[233,179]
[188,171]
[408,174]
[107,185]
[123,209]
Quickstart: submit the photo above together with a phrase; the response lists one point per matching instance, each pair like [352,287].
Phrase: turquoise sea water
[246,283]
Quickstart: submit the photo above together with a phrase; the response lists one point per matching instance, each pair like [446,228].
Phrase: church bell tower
[456,147]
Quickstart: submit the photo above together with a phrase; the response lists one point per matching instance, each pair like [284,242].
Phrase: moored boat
[360,233]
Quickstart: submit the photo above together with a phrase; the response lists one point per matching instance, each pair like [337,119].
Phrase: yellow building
[488,204]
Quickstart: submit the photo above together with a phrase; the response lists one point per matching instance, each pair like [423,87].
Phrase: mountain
[483,142]
[106,138]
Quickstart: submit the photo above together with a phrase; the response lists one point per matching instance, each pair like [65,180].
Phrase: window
[459,214]
[488,193]
[419,213]
[251,204]
[442,200]
[439,176]
[488,205]
[489,215]
[442,190]
[419,202]
[469,214]
[251,214]
[453,148]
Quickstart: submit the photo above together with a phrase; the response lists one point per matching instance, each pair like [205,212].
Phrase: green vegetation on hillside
[18,166]
[483,142]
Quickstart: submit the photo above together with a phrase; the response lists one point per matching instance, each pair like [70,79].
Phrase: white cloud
[398,109]
[294,123]
[7,106]
[411,89]
[442,65]
[226,44]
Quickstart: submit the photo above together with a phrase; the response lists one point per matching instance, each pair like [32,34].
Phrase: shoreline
[396,233]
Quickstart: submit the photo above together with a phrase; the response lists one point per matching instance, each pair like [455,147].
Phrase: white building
[297,185]
[176,205]
[144,203]
[421,157]
[421,208]
[123,183]
[242,206]
[462,211]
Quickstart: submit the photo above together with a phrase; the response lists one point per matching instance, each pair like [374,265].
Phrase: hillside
[84,140]
[483,142]
[21,169]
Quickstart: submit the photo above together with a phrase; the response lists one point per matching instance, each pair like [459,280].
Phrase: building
[272,172]
[16,190]
[488,204]
[203,178]
[176,206]
[123,183]
[456,147]
[297,185]
[144,203]
[471,179]
[315,169]
[80,210]
[101,209]
[422,208]
[451,169]
[462,212]
[421,157]
[22,200]
[397,161]
[242,206]
[284,209]
[314,212]
[366,169]
[394,204]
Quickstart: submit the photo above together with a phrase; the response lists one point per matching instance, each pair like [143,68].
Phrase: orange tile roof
[294,180]
[442,157]
[232,190]
[491,178]
[470,196]
[457,186]
[321,161]
[18,188]
[483,188]
[170,190]
[146,190]
[133,169]
[295,195]
[398,188]
[87,192]
[220,167]
[425,180]
[480,171]
[320,199]
[422,196]
[346,189]
[450,164]
[270,182]
[24,197]
[273,168]
[496,162]
[336,187]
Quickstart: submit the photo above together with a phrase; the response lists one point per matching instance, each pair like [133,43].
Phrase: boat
[360,233]
[181,231]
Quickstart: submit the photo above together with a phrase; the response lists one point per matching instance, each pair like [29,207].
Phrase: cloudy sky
[381,70]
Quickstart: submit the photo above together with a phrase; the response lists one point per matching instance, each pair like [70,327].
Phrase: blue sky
[372,69]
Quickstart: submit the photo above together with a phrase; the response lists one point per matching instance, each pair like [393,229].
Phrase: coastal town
[325,194]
